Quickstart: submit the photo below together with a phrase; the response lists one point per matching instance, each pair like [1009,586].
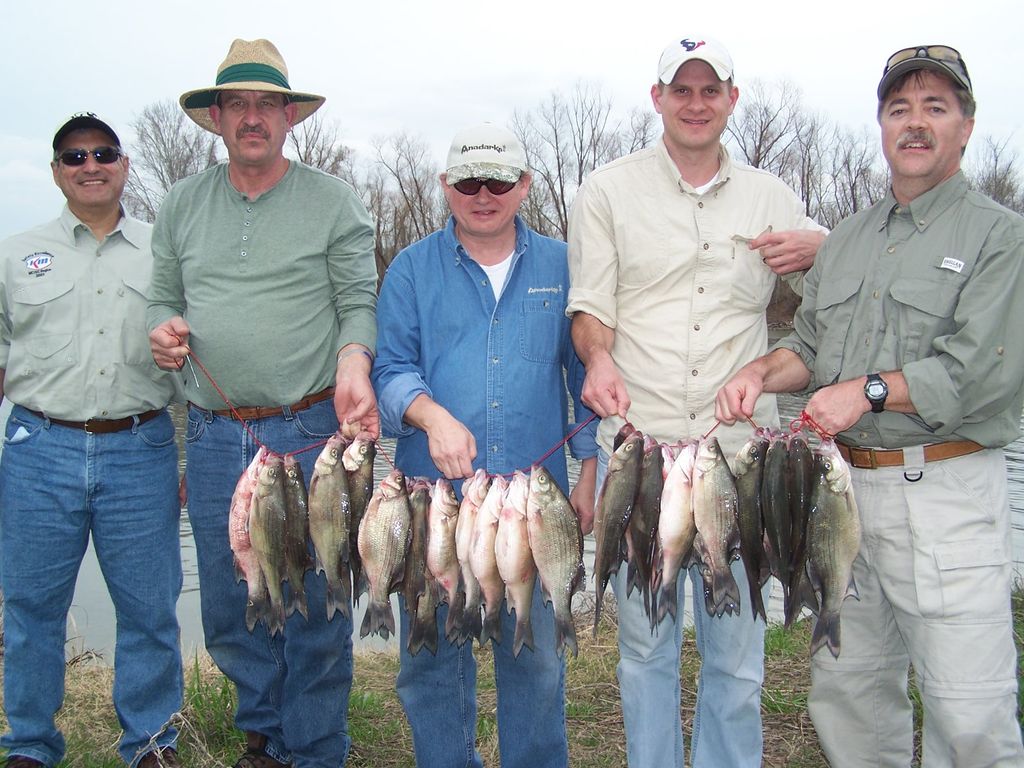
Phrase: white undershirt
[705,187]
[497,274]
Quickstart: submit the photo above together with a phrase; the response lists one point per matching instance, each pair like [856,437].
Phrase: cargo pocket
[134,337]
[963,580]
[924,310]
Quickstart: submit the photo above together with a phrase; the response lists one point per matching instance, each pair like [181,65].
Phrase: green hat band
[252,73]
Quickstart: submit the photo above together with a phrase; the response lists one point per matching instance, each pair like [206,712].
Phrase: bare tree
[855,176]
[765,125]
[996,173]
[167,147]
[316,141]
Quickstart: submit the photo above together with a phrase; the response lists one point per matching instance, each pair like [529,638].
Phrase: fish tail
[826,632]
[471,626]
[666,601]
[756,599]
[274,618]
[339,597]
[297,602]
[421,636]
[565,634]
[491,629]
[378,620]
[725,593]
[454,621]
[602,583]
[524,634]
[256,609]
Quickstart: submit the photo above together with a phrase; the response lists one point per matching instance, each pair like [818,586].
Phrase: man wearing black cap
[907,331]
[89,451]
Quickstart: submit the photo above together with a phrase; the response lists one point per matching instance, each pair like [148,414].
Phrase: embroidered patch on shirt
[38,263]
[552,289]
[954,264]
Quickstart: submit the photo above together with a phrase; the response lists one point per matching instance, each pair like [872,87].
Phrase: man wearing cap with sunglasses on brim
[473,357]
[674,252]
[909,333]
[264,269]
[89,452]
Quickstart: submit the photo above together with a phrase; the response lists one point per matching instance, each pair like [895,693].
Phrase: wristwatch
[876,390]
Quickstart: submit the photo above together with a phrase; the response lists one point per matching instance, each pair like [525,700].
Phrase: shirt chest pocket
[833,318]
[45,320]
[541,325]
[134,338]
[751,280]
[923,310]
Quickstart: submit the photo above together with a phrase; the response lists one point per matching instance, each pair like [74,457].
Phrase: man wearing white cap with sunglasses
[264,270]
[909,331]
[89,454]
[473,355]
[674,252]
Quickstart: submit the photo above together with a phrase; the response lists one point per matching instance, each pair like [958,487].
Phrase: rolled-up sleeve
[353,273]
[593,260]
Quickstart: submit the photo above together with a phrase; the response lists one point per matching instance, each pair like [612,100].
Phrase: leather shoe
[255,755]
[165,757]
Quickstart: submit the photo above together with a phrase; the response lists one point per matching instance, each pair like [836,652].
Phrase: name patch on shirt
[954,264]
[551,289]
[38,263]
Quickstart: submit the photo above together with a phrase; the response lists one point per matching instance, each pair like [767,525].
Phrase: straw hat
[251,65]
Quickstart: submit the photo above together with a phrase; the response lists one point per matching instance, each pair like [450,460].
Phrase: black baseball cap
[83,121]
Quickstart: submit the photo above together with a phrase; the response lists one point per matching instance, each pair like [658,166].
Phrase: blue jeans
[58,486]
[294,687]
[727,720]
[438,694]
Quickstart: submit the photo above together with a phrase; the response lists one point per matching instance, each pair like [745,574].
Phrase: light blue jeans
[58,486]
[727,720]
[438,694]
[294,687]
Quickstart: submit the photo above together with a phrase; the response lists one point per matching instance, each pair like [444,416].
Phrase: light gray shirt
[73,340]
[934,289]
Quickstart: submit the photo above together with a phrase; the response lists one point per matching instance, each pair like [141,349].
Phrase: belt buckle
[85,427]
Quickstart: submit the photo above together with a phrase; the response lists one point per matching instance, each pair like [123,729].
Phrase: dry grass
[381,736]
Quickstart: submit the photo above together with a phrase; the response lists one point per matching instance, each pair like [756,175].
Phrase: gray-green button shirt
[935,289]
[271,287]
[73,340]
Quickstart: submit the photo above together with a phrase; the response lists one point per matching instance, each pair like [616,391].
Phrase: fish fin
[256,609]
[598,601]
[274,618]
[471,625]
[491,628]
[297,601]
[378,620]
[421,636]
[565,635]
[851,591]
[339,598]
[826,633]
[524,634]
[667,601]
[756,598]
[454,621]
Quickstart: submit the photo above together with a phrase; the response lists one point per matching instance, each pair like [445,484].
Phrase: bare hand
[354,400]
[583,495]
[168,343]
[604,391]
[838,407]
[452,446]
[736,400]
[789,251]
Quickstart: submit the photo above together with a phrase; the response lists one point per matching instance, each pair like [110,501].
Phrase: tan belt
[873,458]
[101,426]
[253,412]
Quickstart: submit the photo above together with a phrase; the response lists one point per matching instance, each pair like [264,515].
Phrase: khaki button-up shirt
[671,271]
[73,340]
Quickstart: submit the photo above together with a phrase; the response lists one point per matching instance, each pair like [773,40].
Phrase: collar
[132,230]
[926,208]
[460,253]
[725,167]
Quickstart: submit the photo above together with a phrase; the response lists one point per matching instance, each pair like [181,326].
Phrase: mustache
[915,137]
[247,129]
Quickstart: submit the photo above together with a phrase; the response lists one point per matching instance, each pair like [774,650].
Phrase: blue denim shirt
[500,368]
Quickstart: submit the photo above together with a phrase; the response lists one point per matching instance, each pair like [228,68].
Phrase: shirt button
[890,249]
[483,282]
[999,350]
[103,372]
[700,290]
[495,321]
[245,253]
[494,404]
[99,290]
[921,223]
[494,360]
[696,327]
[875,294]
[245,237]
[247,223]
[249,209]
[693,417]
[101,331]
[494,449]
[700,205]
[707,246]
[104,413]
[694,371]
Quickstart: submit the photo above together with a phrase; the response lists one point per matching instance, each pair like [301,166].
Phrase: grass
[381,736]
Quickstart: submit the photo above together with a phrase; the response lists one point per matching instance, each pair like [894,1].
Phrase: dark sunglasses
[102,155]
[941,53]
[495,187]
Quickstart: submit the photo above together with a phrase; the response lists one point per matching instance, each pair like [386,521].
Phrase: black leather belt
[101,426]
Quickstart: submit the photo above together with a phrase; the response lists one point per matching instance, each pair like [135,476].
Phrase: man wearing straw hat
[264,271]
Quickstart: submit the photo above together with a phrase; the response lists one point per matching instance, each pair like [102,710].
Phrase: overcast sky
[431,68]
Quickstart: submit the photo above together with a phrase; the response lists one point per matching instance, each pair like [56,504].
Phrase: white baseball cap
[485,151]
[704,49]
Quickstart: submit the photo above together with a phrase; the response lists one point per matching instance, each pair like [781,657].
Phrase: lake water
[91,620]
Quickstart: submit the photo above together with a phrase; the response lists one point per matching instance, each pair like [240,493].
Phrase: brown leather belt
[253,412]
[873,458]
[101,426]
